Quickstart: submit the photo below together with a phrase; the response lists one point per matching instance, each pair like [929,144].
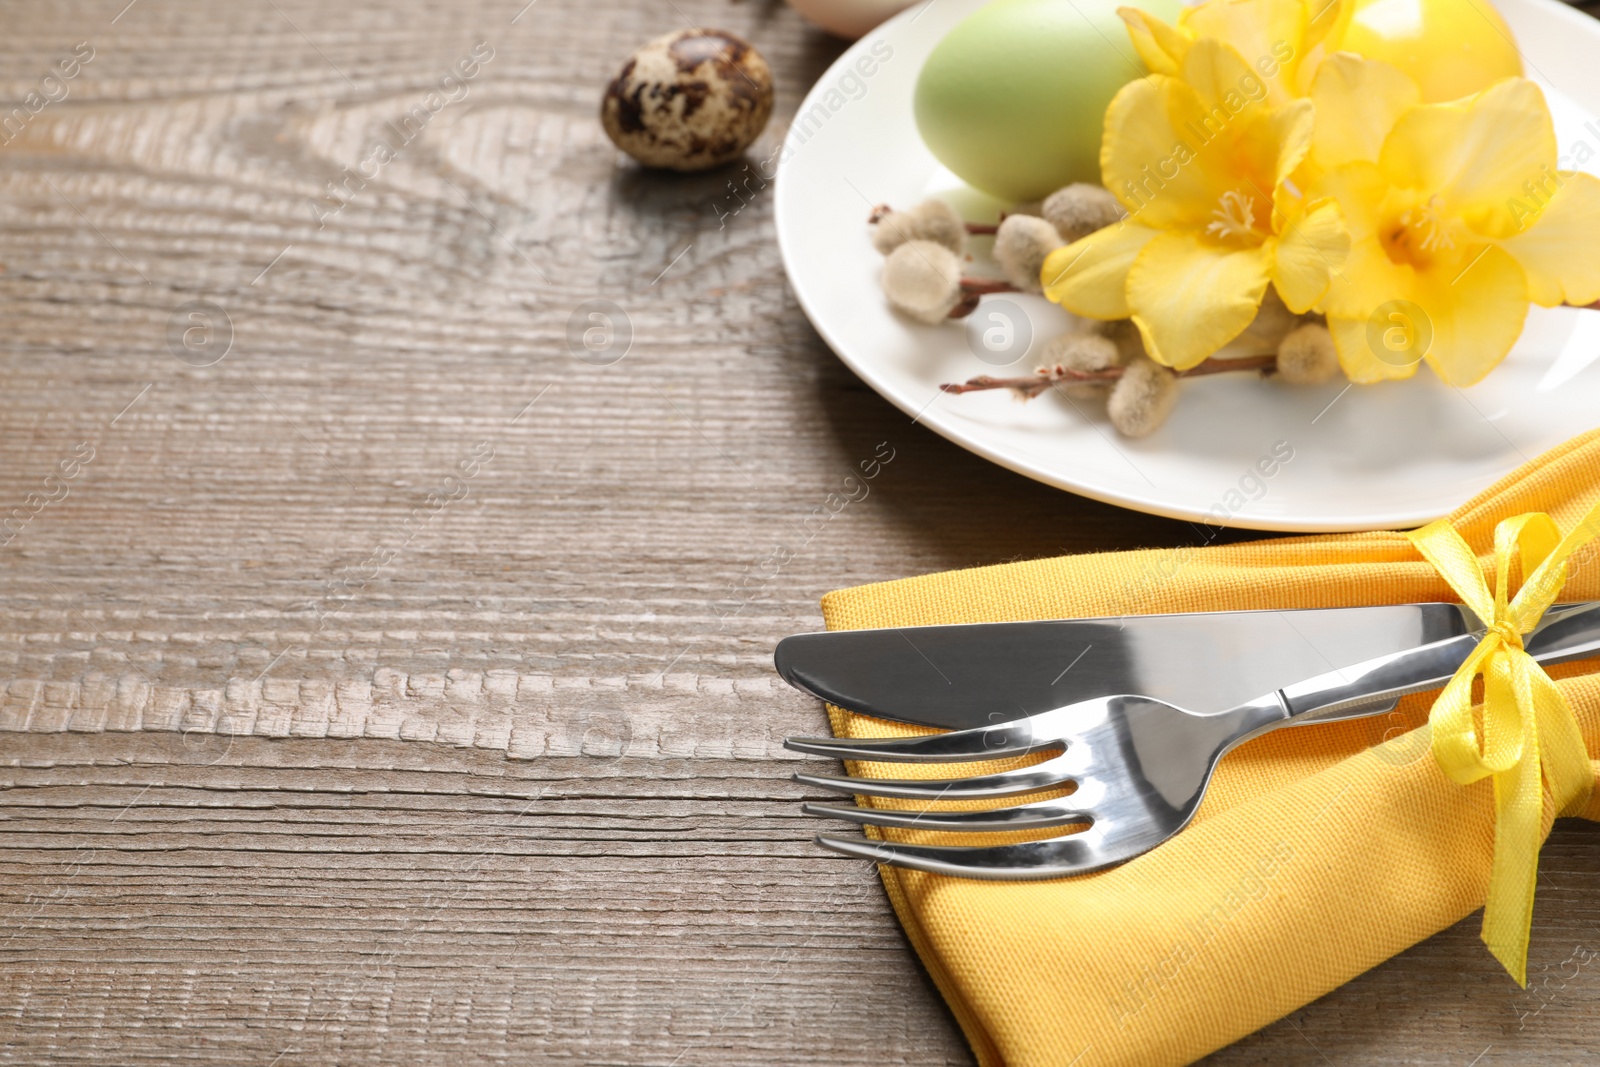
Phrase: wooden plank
[302,764]
[383,901]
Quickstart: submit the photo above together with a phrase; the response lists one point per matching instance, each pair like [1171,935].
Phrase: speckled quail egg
[689,101]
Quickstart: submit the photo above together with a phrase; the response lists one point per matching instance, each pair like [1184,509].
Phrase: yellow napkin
[1317,853]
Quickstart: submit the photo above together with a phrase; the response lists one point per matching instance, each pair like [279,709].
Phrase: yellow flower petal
[1358,102]
[1560,248]
[1264,33]
[1160,46]
[1190,297]
[1292,130]
[1321,18]
[1360,189]
[1146,158]
[1219,74]
[1477,312]
[1356,357]
[1326,24]
[1366,279]
[1089,277]
[1370,308]
[1311,247]
[1475,153]
[1470,315]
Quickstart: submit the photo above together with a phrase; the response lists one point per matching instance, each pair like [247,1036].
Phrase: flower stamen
[1419,233]
[1427,219]
[1234,217]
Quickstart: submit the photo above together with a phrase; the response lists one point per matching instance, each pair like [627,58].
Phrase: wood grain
[303,764]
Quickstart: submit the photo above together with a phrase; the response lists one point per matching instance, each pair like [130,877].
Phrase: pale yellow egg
[1453,48]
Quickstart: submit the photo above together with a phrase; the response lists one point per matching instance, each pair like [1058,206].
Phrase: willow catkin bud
[1021,245]
[1142,398]
[1126,336]
[1307,355]
[923,279]
[1080,209]
[940,223]
[1082,352]
[894,229]
[931,220]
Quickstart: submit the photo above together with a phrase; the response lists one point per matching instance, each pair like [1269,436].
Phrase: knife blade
[963,676]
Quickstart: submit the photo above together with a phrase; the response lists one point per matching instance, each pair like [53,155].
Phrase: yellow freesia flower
[1201,162]
[1458,217]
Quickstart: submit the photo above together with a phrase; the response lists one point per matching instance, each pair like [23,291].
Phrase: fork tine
[1058,857]
[1047,775]
[1020,817]
[1015,738]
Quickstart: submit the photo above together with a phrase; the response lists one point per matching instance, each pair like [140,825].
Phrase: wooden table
[382,683]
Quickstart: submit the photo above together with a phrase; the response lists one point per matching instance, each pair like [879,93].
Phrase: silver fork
[1139,766]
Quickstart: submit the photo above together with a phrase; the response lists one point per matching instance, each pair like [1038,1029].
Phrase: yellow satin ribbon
[1529,736]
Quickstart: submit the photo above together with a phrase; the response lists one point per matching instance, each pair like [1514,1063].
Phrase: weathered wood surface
[305,765]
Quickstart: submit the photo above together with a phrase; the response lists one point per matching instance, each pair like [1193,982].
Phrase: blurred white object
[848,18]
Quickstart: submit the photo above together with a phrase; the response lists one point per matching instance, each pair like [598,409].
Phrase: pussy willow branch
[1032,385]
[973,290]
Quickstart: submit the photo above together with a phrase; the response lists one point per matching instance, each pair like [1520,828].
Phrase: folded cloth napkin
[1317,853]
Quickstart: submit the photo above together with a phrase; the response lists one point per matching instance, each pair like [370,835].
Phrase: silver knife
[957,677]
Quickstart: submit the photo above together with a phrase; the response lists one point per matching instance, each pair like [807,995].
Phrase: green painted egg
[1013,100]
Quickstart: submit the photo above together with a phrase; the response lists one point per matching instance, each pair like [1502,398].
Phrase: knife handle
[1350,692]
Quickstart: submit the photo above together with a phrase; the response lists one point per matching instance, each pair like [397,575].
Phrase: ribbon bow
[1529,735]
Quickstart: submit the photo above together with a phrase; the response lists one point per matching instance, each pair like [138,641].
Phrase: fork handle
[1351,692]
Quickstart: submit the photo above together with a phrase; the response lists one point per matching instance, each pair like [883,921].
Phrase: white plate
[1393,455]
